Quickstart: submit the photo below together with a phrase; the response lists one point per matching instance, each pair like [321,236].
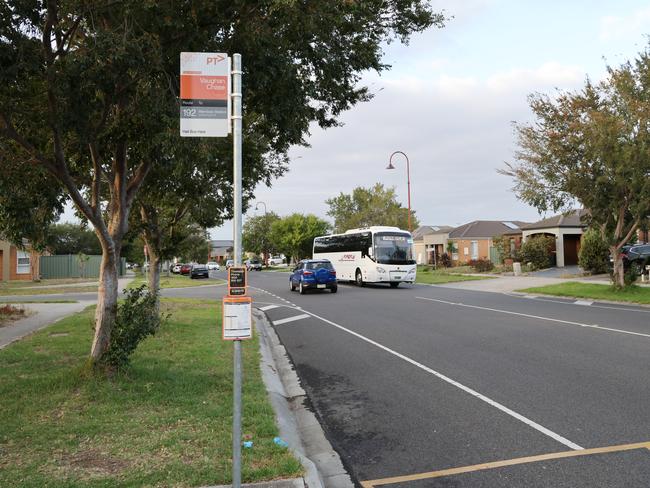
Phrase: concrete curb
[298,426]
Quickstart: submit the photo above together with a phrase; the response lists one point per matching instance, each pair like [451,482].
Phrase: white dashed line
[270,307]
[291,319]
[583,302]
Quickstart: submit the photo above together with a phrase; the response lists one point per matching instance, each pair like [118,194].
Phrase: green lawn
[46,291]
[428,276]
[633,294]
[166,421]
[173,281]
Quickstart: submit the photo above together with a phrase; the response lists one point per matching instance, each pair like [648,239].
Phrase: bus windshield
[392,248]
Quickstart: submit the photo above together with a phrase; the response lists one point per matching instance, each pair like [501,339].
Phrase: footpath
[45,313]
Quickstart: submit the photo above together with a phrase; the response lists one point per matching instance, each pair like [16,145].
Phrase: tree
[86,90]
[536,251]
[594,254]
[68,238]
[592,147]
[294,235]
[256,235]
[366,207]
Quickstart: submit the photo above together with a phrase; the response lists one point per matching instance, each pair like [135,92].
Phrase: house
[566,230]
[18,264]
[221,250]
[474,240]
[430,242]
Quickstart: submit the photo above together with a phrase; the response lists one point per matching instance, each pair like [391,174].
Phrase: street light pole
[408,179]
[266,259]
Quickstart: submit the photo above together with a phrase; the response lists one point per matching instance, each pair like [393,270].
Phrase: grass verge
[428,276]
[166,421]
[173,281]
[46,291]
[632,294]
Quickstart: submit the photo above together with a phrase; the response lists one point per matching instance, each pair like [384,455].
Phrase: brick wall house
[474,239]
[18,264]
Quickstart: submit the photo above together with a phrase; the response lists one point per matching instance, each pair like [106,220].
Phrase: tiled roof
[425,230]
[575,218]
[487,229]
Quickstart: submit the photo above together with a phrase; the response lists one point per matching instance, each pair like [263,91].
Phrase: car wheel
[334,289]
[301,289]
[394,284]
[292,287]
[358,278]
[637,267]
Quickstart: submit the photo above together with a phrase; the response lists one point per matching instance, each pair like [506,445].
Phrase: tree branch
[95,191]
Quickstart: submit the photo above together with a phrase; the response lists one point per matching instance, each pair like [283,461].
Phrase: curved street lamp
[261,203]
[408,179]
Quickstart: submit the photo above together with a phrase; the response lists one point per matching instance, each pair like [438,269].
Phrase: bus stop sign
[237,281]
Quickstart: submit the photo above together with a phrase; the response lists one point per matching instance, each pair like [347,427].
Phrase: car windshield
[393,248]
[320,265]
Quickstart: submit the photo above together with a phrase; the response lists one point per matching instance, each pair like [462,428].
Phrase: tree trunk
[618,272]
[154,276]
[106,310]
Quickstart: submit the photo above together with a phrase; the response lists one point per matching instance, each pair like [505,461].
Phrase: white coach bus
[369,255]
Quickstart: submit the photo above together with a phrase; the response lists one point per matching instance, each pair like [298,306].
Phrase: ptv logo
[215,59]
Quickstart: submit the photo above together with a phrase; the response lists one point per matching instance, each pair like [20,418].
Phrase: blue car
[313,274]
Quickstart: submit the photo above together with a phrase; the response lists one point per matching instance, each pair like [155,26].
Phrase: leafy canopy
[368,206]
[294,235]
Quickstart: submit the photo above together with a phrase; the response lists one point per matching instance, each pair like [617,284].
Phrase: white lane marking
[270,307]
[455,383]
[583,302]
[291,319]
[549,319]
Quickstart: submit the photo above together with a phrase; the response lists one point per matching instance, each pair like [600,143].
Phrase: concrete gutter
[298,426]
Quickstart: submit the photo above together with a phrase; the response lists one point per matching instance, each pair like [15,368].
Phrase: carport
[567,229]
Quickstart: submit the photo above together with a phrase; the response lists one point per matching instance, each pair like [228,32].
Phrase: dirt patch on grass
[93,463]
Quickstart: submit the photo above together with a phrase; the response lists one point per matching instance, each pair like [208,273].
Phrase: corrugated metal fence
[495,255]
[73,266]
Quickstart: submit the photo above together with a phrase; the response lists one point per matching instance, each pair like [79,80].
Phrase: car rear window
[320,265]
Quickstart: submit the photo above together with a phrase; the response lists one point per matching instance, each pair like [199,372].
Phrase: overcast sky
[449,101]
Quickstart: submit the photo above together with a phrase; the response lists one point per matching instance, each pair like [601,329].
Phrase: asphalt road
[421,379]
[413,381]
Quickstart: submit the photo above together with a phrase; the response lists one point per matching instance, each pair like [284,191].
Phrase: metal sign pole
[237,184]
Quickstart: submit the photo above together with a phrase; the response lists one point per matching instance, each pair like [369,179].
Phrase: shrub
[594,254]
[137,319]
[444,261]
[537,252]
[481,265]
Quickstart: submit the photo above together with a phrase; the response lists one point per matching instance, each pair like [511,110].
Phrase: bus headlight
[380,269]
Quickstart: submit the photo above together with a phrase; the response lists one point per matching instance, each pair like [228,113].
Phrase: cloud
[631,27]
[455,130]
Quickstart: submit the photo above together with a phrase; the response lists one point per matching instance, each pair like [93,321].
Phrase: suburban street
[421,378]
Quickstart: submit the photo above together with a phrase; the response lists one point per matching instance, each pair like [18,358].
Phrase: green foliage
[294,235]
[481,265]
[591,146]
[72,239]
[537,252]
[369,206]
[256,234]
[594,253]
[137,319]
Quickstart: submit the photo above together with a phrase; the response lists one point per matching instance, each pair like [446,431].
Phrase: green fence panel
[73,266]
[495,255]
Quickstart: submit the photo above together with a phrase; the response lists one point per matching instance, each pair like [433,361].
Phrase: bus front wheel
[359,278]
[394,284]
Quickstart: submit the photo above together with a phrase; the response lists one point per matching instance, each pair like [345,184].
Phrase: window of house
[22,262]
[474,246]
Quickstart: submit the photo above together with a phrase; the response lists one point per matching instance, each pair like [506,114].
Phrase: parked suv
[313,274]
[637,257]
[254,265]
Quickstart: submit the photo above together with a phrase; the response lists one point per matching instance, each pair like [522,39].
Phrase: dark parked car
[637,257]
[185,269]
[199,271]
[313,274]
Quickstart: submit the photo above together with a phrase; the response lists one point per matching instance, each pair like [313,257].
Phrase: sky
[449,102]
